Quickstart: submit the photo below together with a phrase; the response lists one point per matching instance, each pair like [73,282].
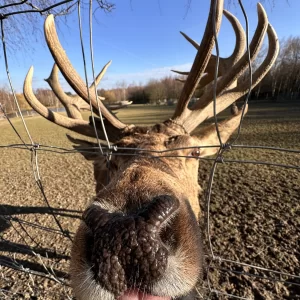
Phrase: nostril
[128,249]
[95,216]
[159,210]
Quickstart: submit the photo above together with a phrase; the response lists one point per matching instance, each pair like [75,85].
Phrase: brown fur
[135,180]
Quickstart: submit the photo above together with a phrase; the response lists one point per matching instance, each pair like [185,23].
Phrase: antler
[201,60]
[73,105]
[76,124]
[228,91]
[70,73]
[224,63]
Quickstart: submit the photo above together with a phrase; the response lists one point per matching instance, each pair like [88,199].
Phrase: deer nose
[127,249]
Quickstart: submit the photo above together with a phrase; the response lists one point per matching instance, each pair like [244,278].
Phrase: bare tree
[137,94]
[156,91]
[22,17]
[121,90]
[109,95]
[47,97]
[286,71]
[172,86]
[6,100]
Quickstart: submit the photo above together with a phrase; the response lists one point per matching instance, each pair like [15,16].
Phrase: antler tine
[77,125]
[201,60]
[181,72]
[190,40]
[229,79]
[72,104]
[203,78]
[70,73]
[239,68]
[233,94]
[224,63]
[98,78]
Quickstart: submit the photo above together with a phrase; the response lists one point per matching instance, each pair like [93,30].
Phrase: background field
[255,209]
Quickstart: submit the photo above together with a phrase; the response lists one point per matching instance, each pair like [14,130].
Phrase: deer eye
[195,152]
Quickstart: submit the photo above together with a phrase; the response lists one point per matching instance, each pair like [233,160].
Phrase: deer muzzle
[127,250]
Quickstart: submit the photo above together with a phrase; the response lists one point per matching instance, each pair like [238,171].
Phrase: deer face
[140,234]
[139,238]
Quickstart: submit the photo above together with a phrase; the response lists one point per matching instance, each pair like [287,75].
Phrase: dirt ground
[254,210]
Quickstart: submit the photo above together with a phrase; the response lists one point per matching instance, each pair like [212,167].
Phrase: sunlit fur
[137,179]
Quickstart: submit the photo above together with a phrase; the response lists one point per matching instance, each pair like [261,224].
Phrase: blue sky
[142,39]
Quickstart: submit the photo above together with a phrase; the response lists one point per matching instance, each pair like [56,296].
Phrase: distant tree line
[154,92]
[282,82]
[45,96]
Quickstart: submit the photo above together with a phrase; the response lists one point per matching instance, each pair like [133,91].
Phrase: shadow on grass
[8,210]
[7,220]
[24,265]
[12,247]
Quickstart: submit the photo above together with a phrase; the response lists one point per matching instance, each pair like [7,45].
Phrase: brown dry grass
[254,210]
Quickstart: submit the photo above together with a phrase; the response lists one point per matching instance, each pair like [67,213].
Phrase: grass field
[255,209]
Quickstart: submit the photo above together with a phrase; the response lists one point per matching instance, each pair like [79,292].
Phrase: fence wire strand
[10,82]
[94,79]
[250,72]
[215,262]
[86,77]
[34,162]
[222,147]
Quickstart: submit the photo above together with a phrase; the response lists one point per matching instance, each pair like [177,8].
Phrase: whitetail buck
[139,237]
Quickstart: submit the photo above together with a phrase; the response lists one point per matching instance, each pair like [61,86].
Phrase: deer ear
[209,136]
[89,150]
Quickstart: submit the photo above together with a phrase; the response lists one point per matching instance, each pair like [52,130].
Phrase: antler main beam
[201,60]
[72,76]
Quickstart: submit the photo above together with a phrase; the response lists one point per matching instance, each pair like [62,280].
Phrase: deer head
[139,236]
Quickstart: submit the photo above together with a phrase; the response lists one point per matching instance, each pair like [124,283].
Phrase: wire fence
[48,259]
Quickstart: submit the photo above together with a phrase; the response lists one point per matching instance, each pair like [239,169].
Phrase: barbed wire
[111,150]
